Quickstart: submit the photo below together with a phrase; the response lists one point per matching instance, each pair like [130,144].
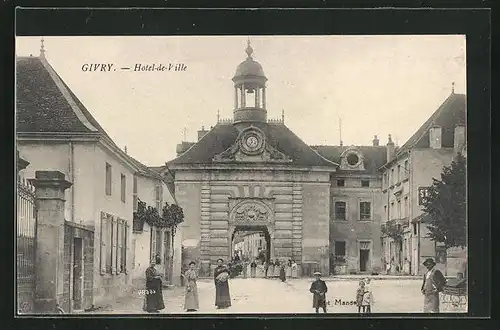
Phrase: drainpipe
[417,262]
[72,176]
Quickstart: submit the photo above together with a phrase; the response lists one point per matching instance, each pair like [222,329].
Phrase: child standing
[319,290]
[360,292]
[367,297]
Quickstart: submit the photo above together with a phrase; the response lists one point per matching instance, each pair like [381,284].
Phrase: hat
[428,261]
[317,273]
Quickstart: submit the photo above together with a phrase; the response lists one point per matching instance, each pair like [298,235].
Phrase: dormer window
[352,159]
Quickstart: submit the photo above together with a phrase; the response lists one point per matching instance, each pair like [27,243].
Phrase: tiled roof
[373,156]
[449,114]
[40,104]
[222,136]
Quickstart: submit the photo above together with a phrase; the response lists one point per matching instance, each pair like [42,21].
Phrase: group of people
[433,284]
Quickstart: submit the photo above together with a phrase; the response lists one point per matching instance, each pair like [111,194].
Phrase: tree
[445,205]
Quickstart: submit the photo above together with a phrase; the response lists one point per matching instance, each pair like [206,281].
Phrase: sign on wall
[423,193]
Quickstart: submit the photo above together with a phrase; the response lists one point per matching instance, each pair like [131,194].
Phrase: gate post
[49,266]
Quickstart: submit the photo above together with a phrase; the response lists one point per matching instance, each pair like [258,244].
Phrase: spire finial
[42,50]
[453,88]
[283,116]
[249,49]
[218,116]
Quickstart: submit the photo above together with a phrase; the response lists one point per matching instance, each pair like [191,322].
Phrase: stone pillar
[236,97]
[243,97]
[263,97]
[50,187]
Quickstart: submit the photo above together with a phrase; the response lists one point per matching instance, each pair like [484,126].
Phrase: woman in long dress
[154,296]
[288,269]
[294,269]
[270,269]
[191,302]
[221,276]
[277,268]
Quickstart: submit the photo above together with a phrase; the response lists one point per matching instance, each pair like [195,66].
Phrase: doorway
[364,258]
[249,240]
[77,273]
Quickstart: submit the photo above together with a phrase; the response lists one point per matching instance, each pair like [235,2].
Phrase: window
[392,177]
[340,183]
[365,183]
[399,171]
[385,211]
[415,229]
[135,201]
[158,194]
[384,180]
[405,208]
[406,169]
[108,179]
[340,211]
[123,181]
[392,211]
[340,250]
[365,212]
[399,209]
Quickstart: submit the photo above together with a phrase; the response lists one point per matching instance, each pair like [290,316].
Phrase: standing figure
[253,268]
[360,292]
[368,300]
[433,283]
[221,276]
[270,269]
[288,269]
[154,296]
[277,268]
[282,272]
[319,290]
[191,302]
[294,269]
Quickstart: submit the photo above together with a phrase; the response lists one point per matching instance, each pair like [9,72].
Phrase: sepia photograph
[235,174]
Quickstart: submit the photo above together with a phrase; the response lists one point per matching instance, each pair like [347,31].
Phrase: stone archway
[255,229]
[252,214]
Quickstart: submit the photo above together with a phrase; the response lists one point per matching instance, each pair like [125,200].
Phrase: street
[262,296]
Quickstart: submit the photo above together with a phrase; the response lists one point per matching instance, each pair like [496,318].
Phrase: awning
[423,218]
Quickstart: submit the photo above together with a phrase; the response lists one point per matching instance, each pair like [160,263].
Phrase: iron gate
[26,245]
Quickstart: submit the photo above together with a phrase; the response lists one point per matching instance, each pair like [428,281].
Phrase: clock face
[252,142]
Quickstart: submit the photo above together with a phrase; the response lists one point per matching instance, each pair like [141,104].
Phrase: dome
[249,67]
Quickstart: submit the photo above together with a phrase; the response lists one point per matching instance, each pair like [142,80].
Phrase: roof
[44,103]
[40,104]
[223,136]
[447,116]
[373,156]
[249,67]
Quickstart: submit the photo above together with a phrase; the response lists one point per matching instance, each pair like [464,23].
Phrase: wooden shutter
[119,232]
[125,241]
[113,245]
[152,249]
[103,235]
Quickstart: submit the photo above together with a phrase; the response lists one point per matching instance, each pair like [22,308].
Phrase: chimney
[435,137]
[391,150]
[375,141]
[459,138]
[201,133]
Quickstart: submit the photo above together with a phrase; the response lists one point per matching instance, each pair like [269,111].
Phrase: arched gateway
[251,173]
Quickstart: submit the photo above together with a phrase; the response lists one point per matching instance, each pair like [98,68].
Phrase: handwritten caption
[146,292]
[138,67]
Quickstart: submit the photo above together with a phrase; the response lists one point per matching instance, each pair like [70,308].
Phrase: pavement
[263,296]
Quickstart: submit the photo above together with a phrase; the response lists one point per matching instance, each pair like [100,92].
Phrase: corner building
[249,173]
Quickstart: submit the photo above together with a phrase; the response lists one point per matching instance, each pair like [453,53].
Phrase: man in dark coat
[433,283]
[319,290]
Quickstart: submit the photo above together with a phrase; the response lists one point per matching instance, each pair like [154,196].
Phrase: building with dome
[318,205]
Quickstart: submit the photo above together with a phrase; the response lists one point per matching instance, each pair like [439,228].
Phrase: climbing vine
[172,215]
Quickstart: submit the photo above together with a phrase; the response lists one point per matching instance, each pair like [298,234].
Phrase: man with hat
[319,290]
[433,283]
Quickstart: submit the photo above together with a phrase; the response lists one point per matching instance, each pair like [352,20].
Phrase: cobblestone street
[262,296]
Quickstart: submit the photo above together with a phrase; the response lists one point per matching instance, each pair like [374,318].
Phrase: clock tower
[249,91]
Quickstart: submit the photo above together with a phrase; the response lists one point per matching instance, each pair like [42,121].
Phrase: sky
[376,85]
